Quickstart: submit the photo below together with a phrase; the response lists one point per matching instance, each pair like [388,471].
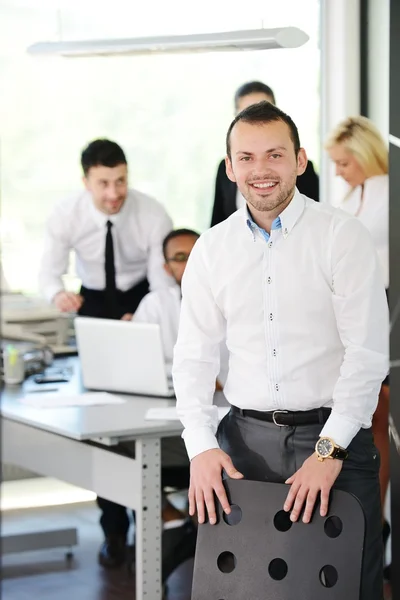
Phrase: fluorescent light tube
[253,39]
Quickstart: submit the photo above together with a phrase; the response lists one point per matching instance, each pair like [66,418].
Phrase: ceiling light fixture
[253,39]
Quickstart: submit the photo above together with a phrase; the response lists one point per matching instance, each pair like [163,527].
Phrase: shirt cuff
[50,291]
[340,429]
[199,440]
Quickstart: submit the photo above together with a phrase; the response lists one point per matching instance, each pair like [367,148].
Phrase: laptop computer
[122,356]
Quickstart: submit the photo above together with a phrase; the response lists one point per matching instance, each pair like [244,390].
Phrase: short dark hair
[253,87]
[174,234]
[264,112]
[103,153]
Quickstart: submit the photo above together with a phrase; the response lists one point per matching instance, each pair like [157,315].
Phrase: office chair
[256,552]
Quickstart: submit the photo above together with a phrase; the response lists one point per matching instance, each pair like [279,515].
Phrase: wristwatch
[326,448]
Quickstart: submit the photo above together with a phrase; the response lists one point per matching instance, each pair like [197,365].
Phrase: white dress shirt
[163,307]
[305,316]
[373,212]
[76,224]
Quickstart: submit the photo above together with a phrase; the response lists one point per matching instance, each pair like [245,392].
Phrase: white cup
[14,367]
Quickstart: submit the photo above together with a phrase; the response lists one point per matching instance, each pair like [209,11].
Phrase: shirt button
[274,352]
[271,317]
[269,280]
[270,245]
[277,387]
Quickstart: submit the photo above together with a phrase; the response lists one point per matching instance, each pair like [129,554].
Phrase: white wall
[340,80]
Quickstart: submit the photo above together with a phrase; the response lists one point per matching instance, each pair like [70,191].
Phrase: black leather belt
[286,418]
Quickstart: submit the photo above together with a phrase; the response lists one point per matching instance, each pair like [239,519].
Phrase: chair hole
[333,527]
[278,569]
[328,576]
[234,517]
[226,562]
[282,521]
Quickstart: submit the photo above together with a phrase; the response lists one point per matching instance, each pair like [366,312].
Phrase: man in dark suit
[227,198]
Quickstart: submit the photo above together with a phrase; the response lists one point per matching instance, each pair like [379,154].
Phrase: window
[169,113]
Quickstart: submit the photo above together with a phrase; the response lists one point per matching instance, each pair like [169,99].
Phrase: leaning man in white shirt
[116,233]
[296,287]
[117,236]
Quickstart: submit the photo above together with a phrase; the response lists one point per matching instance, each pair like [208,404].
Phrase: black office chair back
[256,553]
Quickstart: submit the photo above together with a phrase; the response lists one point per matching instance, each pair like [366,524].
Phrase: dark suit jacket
[225,191]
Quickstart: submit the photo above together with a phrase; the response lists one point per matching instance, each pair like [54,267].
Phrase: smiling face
[108,186]
[347,165]
[264,164]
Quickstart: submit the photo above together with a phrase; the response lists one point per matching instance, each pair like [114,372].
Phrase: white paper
[169,413]
[49,400]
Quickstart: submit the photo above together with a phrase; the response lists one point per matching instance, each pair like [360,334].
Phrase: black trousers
[265,452]
[94,304]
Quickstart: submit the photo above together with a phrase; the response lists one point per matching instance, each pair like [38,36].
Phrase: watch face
[324,447]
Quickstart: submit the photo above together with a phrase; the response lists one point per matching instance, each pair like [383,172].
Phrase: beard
[265,200]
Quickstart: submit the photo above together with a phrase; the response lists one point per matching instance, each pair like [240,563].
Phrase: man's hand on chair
[205,480]
[312,478]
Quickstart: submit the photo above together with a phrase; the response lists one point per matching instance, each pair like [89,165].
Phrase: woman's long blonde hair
[362,139]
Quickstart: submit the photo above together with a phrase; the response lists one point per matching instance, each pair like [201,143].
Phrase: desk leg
[148,521]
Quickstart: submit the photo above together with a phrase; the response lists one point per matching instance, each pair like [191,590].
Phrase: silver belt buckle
[277,412]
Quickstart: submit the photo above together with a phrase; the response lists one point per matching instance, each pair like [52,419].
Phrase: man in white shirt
[117,236]
[296,287]
[116,233]
[163,306]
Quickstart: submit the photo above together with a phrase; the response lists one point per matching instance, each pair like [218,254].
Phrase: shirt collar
[286,220]
[101,218]
[292,213]
[276,223]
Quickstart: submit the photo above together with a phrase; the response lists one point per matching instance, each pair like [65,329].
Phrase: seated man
[164,305]
[163,308]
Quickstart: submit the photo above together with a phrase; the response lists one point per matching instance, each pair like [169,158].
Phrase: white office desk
[59,443]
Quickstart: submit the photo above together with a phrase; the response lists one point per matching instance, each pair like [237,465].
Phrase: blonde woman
[361,158]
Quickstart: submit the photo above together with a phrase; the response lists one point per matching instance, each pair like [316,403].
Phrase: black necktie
[111,304]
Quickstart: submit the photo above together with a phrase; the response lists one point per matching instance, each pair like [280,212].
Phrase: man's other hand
[313,478]
[127,317]
[205,479]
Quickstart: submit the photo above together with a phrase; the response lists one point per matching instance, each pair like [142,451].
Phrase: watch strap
[340,453]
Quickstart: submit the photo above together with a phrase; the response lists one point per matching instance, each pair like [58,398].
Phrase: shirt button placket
[273,351]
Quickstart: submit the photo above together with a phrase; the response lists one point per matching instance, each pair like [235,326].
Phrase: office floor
[47,575]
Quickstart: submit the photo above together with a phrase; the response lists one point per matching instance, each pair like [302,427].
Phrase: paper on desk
[169,413]
[48,400]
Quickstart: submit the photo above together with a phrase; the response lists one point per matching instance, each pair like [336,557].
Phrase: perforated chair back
[256,553]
